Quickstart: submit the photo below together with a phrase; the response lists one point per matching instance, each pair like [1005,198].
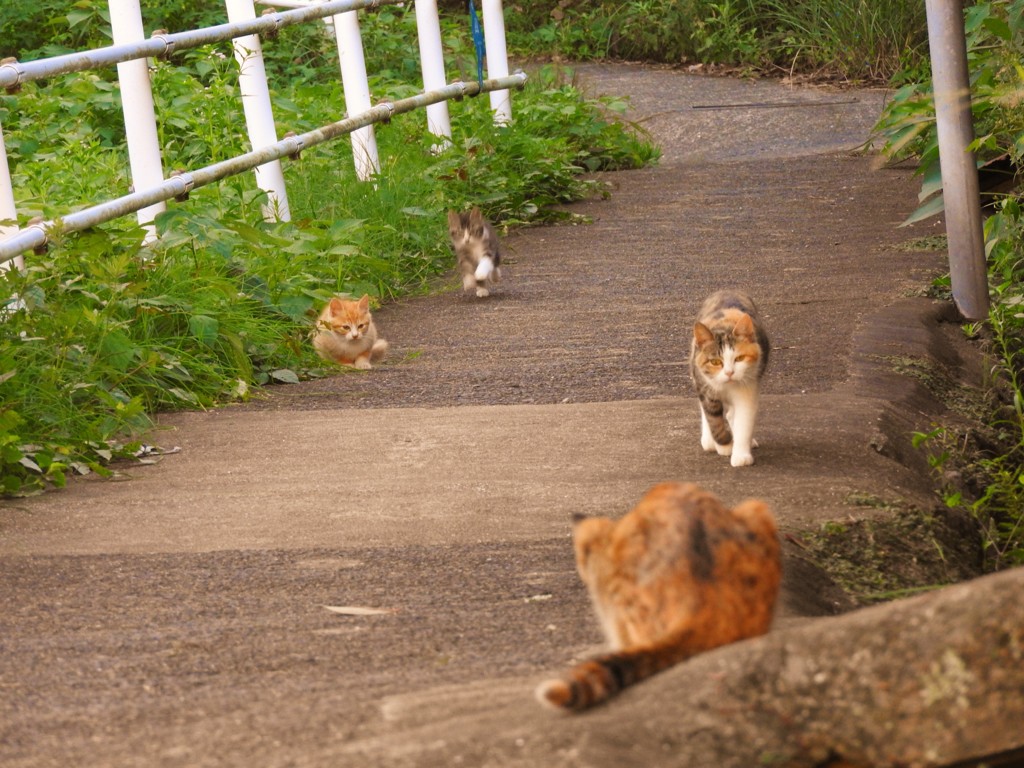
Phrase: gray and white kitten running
[476,249]
[727,359]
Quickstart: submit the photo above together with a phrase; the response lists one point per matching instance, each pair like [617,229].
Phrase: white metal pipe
[357,92]
[259,114]
[287,3]
[955,129]
[17,73]
[328,21]
[428,29]
[497,58]
[139,114]
[8,210]
[35,235]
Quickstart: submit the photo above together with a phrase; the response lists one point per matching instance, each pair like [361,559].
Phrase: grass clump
[900,552]
[848,40]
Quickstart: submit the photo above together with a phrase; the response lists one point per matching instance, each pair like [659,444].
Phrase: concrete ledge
[930,681]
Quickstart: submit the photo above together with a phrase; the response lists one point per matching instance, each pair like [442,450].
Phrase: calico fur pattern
[680,574]
[476,250]
[728,357]
[345,333]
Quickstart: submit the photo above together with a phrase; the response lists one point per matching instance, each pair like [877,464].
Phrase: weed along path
[375,569]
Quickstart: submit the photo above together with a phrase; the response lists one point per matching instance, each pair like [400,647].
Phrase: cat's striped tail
[598,679]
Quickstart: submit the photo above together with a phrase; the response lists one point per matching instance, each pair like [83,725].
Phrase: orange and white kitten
[727,358]
[346,333]
[678,575]
[476,250]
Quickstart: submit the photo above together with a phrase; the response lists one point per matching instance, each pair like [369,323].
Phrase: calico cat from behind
[727,359]
[345,333]
[476,250]
[678,575]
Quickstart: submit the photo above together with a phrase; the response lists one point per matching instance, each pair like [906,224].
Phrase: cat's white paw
[741,459]
[724,450]
[707,442]
[482,293]
[362,363]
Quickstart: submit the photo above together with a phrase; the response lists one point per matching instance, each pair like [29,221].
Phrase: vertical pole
[428,29]
[8,211]
[497,58]
[951,86]
[357,92]
[139,113]
[259,116]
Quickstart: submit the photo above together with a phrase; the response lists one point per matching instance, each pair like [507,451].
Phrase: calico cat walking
[476,250]
[727,358]
[346,333]
[678,575]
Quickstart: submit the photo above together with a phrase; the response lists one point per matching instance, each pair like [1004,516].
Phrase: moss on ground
[889,549]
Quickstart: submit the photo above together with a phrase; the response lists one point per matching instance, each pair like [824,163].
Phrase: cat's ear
[579,517]
[757,515]
[744,327]
[476,219]
[364,303]
[336,305]
[701,334]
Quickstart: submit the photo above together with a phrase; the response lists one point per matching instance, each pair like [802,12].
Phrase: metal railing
[152,189]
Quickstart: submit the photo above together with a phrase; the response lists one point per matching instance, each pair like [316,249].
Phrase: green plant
[995,35]
[859,40]
[939,442]
[728,34]
[1000,507]
[995,40]
[851,40]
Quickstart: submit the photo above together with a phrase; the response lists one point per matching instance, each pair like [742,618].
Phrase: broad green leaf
[295,307]
[183,395]
[931,182]
[935,205]
[999,28]
[77,17]
[10,485]
[117,350]
[56,476]
[284,375]
[256,236]
[204,328]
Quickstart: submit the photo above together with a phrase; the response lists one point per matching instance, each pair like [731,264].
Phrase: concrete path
[177,617]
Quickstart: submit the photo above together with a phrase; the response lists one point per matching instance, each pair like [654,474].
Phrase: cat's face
[350,319]
[727,354]
[466,226]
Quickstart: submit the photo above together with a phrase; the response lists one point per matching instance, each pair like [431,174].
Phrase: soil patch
[896,552]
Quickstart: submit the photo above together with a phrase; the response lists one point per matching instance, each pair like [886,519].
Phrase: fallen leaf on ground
[356,610]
